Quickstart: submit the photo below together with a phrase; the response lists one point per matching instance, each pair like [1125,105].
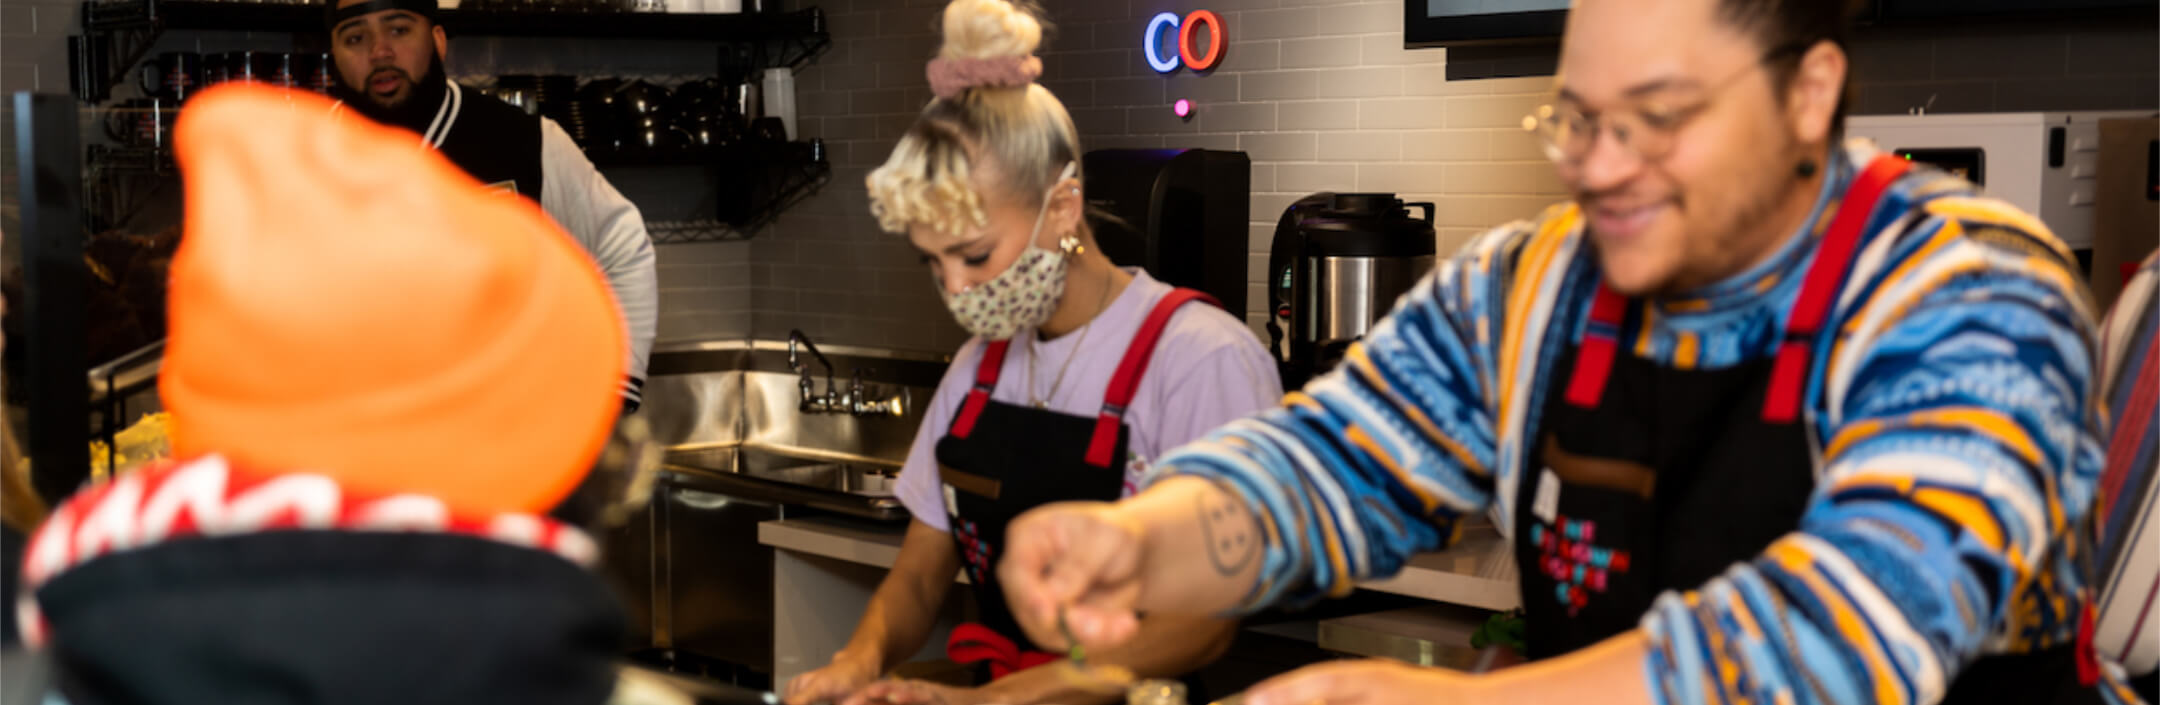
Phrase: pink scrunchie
[948,77]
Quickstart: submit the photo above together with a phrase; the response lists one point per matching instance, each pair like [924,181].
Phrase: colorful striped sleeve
[1957,451]
[1378,459]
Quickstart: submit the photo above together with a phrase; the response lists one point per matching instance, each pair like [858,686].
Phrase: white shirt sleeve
[608,226]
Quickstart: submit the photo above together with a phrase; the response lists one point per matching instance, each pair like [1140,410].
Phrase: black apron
[1654,479]
[1000,460]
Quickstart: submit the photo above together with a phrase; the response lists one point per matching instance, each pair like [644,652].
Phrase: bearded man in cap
[389,56]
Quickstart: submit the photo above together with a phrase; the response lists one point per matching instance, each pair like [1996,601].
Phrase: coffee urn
[1181,214]
[1338,263]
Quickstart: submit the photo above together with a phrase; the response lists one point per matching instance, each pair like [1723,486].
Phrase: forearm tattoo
[1227,527]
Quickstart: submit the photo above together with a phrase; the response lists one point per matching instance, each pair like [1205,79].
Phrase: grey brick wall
[1318,92]
[1322,95]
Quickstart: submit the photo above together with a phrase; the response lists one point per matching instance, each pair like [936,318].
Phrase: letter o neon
[1215,40]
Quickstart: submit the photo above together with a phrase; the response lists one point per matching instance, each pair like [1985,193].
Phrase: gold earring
[1070,245]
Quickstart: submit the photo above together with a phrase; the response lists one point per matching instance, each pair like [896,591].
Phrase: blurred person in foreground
[1766,417]
[20,511]
[2125,626]
[375,411]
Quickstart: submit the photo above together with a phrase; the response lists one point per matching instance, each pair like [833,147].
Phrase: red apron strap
[1825,277]
[986,379]
[974,643]
[1127,380]
[1593,360]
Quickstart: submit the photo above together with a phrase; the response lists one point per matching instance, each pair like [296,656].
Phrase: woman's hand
[846,674]
[1369,682]
[911,692]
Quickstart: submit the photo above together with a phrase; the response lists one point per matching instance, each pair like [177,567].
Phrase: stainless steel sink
[742,453]
[868,482]
[853,485]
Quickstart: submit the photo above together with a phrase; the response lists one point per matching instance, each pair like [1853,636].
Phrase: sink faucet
[862,405]
[856,400]
[812,403]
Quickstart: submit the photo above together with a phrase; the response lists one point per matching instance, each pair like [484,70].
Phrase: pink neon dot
[1182,107]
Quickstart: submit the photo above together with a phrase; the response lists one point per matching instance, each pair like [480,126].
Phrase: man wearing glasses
[1767,417]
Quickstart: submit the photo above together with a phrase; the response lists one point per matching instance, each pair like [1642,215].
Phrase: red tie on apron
[1788,381]
[1037,456]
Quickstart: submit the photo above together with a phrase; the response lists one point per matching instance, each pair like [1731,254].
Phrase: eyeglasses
[1648,128]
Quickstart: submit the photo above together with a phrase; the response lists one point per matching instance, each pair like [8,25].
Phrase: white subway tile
[1220,86]
[1127,142]
[1157,120]
[1272,24]
[1318,115]
[1387,50]
[1540,85]
[1268,208]
[1099,121]
[1363,18]
[1222,141]
[1316,177]
[1491,110]
[1260,233]
[1237,117]
[1279,85]
[1402,178]
[1516,145]
[1401,113]
[1507,179]
[1321,52]
[1360,146]
[1433,80]
[1280,146]
[1124,92]
[1370,82]
[1262,55]
[1446,145]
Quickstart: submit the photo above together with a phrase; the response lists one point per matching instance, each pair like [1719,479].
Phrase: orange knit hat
[347,302]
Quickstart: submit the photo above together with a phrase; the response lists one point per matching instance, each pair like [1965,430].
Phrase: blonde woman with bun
[1035,408]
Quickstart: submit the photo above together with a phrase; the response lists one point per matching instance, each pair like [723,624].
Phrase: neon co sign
[1163,60]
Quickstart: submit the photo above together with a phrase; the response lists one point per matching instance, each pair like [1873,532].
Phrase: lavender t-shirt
[1208,370]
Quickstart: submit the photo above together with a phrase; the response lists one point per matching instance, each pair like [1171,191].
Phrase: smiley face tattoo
[1227,528]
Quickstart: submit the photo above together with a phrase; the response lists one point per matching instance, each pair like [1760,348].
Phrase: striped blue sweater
[1950,403]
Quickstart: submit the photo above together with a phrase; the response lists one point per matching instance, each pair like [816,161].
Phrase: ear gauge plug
[1806,168]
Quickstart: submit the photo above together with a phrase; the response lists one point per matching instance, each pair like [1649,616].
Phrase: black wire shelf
[565,20]
[762,180]
[118,33]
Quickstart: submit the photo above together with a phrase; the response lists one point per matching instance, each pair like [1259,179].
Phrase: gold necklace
[1102,302]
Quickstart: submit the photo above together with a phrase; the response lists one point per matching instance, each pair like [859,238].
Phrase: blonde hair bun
[982,29]
[989,120]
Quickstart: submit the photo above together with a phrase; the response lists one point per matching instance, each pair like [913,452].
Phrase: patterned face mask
[1023,296]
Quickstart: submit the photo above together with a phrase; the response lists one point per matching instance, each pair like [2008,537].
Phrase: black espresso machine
[1338,263]
[1180,214]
